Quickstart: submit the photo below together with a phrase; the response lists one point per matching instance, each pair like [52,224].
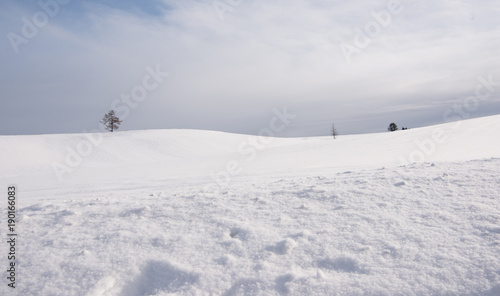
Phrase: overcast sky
[230,62]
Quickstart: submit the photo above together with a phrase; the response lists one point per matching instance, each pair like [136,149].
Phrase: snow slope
[184,212]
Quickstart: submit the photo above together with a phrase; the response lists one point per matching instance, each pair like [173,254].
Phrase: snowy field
[183,212]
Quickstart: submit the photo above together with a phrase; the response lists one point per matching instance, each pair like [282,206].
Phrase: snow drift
[187,212]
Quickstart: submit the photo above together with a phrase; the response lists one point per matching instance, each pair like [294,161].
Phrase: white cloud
[265,54]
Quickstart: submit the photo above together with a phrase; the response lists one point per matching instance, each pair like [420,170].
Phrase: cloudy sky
[360,64]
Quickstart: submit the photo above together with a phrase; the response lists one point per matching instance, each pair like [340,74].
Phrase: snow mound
[316,216]
[180,154]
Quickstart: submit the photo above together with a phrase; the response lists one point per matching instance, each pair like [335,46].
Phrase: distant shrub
[392,127]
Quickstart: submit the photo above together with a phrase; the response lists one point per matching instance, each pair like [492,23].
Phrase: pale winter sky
[360,64]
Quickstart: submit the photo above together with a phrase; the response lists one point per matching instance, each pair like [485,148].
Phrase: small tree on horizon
[110,121]
[392,127]
[334,131]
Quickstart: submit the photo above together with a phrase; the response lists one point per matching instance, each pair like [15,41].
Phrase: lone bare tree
[110,121]
[334,131]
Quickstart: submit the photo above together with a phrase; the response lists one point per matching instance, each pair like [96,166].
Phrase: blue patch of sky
[152,8]
[75,10]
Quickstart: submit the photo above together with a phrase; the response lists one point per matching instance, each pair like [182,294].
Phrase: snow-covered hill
[185,212]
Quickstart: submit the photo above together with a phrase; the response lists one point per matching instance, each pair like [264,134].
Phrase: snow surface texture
[305,216]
